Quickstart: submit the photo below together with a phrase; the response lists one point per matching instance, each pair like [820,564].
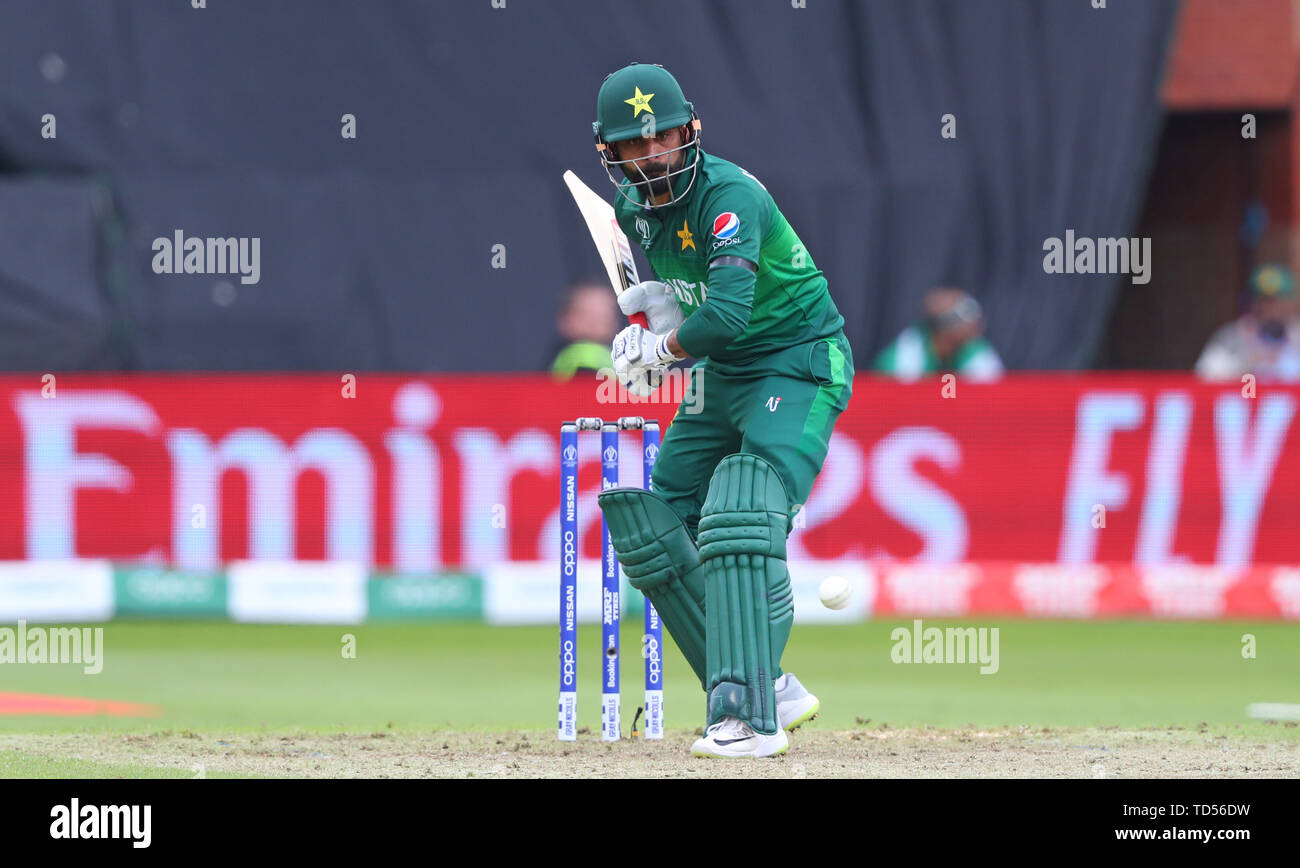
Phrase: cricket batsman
[738,291]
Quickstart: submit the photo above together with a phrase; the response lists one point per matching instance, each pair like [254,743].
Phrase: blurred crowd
[1265,340]
[948,335]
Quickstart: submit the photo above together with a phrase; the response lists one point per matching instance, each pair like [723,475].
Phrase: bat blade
[611,242]
[623,255]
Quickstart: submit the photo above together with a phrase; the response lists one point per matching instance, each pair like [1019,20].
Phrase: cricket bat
[611,242]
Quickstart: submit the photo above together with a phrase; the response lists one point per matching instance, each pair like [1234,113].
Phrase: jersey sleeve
[740,213]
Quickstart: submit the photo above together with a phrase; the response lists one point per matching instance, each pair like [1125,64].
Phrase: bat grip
[639,319]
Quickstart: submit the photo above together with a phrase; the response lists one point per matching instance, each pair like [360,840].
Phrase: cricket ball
[834,592]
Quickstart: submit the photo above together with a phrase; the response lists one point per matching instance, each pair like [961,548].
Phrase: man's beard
[658,185]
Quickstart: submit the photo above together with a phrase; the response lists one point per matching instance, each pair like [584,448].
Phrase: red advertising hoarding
[424,472]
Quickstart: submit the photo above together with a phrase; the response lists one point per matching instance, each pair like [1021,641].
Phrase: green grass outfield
[230,677]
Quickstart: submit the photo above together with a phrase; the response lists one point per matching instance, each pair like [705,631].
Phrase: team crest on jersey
[688,240]
[726,225]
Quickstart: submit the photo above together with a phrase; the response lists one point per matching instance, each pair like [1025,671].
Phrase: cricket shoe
[732,737]
[795,706]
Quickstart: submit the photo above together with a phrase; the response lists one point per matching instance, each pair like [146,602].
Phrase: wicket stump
[652,640]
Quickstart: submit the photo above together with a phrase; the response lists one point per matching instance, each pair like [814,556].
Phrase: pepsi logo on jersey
[726,229]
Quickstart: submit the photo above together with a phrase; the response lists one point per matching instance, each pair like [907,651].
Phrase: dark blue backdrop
[377,252]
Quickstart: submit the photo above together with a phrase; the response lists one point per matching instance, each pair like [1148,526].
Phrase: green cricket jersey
[911,356]
[745,281]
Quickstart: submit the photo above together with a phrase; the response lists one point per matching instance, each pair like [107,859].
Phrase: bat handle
[639,319]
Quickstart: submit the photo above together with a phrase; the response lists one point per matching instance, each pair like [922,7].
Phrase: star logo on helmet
[640,102]
[688,240]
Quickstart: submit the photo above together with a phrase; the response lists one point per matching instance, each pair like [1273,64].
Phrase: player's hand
[636,352]
[637,346]
[645,381]
[657,301]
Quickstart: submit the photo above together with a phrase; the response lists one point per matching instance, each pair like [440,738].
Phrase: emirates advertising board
[420,474]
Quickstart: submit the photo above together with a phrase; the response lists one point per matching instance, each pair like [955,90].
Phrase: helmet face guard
[631,169]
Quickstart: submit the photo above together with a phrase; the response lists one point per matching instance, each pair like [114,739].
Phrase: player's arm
[720,319]
[723,315]
[733,270]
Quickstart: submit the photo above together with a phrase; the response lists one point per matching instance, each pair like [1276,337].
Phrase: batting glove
[657,301]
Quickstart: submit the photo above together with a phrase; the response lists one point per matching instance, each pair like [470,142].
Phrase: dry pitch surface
[814,753]
[460,699]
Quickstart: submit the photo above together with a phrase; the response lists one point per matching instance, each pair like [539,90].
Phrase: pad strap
[661,561]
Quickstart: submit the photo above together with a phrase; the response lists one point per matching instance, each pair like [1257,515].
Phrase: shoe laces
[734,726]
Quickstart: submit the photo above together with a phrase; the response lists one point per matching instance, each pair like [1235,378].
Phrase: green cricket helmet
[642,100]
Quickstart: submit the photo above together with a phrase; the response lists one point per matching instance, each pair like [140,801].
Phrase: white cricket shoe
[733,737]
[795,706]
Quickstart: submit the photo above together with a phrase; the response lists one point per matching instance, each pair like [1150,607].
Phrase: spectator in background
[948,339]
[587,322]
[1264,341]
